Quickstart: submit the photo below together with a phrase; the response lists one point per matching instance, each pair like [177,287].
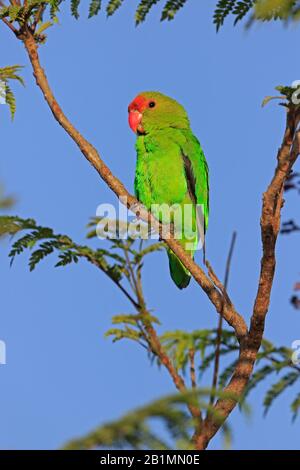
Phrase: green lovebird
[171,171]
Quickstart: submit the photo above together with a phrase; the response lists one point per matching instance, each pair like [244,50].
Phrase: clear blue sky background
[62,377]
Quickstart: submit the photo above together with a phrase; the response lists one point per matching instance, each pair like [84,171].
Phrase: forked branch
[250,341]
[223,306]
[270,225]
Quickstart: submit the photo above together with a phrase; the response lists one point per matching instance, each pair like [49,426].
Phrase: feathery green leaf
[95,7]
[113,6]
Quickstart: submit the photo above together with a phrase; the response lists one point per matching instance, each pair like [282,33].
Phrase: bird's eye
[151,104]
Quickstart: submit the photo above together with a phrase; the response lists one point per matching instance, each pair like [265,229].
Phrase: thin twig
[218,284]
[130,272]
[158,350]
[10,25]
[117,283]
[234,319]
[192,368]
[220,321]
[38,16]
[154,343]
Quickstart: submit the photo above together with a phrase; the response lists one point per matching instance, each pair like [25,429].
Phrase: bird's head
[151,111]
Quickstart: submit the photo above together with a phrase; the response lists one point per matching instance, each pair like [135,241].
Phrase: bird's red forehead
[140,103]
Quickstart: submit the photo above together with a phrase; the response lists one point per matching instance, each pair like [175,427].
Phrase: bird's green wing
[196,171]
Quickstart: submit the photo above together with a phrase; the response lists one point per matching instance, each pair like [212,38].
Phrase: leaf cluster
[135,430]
[8,74]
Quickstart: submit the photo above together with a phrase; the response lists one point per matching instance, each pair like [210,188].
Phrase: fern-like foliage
[143,9]
[74,8]
[179,344]
[6,202]
[23,13]
[256,10]
[135,430]
[237,8]
[271,361]
[95,7]
[240,9]
[171,8]
[113,6]
[8,74]
[279,387]
[267,10]
[122,262]
[42,242]
[223,9]
[259,10]
[32,14]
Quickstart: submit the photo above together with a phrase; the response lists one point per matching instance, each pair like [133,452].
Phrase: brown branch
[38,16]
[220,320]
[131,277]
[148,331]
[11,26]
[158,350]
[5,21]
[233,318]
[270,225]
[155,344]
[218,284]
[270,221]
[117,283]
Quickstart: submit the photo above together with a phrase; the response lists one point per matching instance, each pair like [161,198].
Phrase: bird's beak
[135,120]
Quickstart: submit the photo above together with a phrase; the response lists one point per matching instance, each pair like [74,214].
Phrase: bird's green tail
[179,273]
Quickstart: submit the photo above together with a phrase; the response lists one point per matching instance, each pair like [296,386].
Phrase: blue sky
[62,377]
